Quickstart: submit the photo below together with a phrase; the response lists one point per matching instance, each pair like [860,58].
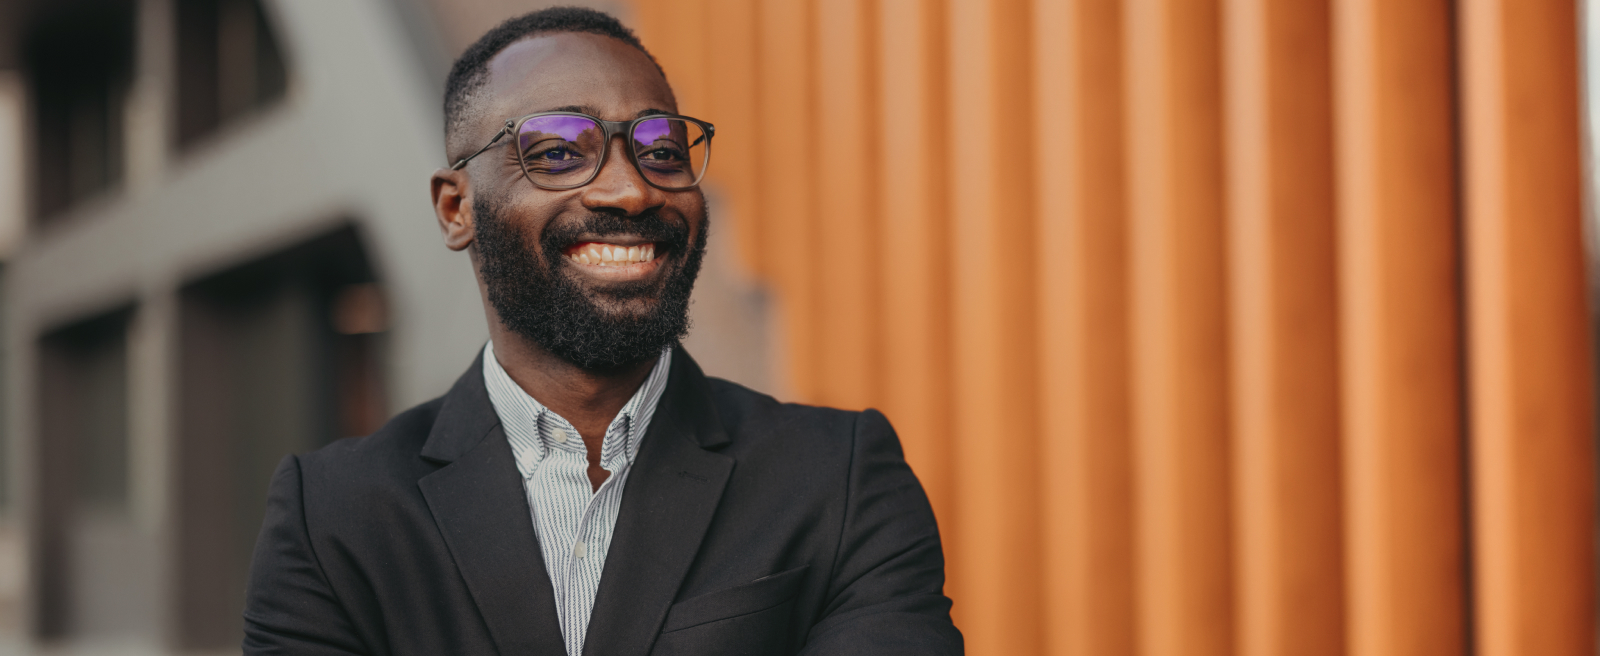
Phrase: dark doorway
[279,356]
[92,576]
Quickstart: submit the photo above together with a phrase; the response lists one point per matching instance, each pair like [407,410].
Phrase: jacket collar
[464,419]
[467,415]
[672,493]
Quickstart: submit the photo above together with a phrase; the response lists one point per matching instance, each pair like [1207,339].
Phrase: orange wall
[1211,326]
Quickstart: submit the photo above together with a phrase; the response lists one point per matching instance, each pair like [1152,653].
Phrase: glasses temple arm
[463,161]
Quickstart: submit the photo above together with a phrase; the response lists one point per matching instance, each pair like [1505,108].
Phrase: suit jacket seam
[748,613]
[322,572]
[844,512]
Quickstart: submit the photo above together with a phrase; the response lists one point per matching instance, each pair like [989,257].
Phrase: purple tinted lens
[656,129]
[671,152]
[560,149]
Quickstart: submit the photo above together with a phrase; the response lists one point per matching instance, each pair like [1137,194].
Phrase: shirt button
[579,549]
[561,436]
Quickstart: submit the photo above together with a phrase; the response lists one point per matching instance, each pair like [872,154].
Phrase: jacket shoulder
[390,453]
[746,413]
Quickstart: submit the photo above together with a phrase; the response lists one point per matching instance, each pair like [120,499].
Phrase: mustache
[651,226]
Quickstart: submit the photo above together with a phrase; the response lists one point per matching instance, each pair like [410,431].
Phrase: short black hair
[471,70]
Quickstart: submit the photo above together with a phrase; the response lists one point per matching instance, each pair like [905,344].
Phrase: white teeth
[610,255]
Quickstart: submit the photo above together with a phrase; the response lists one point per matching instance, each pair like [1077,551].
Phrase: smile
[604,254]
[622,259]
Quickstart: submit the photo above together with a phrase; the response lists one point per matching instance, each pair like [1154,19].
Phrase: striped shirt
[572,519]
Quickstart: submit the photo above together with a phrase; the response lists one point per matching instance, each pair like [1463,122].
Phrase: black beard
[539,302]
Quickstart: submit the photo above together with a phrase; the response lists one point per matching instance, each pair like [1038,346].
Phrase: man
[584,488]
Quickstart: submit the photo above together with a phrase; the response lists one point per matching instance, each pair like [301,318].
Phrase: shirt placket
[580,557]
[618,437]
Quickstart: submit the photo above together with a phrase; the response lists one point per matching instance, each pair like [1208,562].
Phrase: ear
[453,207]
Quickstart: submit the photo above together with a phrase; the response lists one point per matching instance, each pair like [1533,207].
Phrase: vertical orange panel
[649,24]
[1530,356]
[995,574]
[676,34]
[1399,312]
[786,184]
[1083,344]
[1179,327]
[914,271]
[843,150]
[1285,343]
[732,65]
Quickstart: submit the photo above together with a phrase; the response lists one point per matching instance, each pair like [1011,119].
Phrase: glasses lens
[672,152]
[560,150]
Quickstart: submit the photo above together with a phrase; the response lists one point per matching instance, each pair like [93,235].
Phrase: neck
[588,399]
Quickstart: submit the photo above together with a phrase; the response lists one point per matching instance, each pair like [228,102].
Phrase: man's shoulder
[754,419]
[391,452]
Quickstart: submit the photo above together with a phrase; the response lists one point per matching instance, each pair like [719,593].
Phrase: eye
[557,154]
[661,155]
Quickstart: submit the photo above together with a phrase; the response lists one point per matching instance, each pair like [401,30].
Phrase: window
[83,529]
[229,64]
[79,66]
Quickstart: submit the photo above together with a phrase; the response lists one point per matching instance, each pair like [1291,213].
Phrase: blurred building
[1212,327]
[218,249]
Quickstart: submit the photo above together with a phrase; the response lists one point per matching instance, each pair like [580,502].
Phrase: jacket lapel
[671,495]
[477,500]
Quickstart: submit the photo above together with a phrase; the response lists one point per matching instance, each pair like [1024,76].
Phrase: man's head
[535,249]
[471,70]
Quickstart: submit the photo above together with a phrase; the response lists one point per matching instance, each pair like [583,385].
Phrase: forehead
[608,77]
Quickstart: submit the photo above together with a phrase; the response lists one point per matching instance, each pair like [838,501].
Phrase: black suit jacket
[747,526]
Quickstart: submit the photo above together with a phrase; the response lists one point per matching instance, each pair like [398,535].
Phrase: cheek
[531,216]
[693,210]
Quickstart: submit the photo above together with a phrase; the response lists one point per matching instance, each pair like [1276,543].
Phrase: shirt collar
[531,428]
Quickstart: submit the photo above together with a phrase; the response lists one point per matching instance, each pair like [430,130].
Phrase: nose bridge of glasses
[622,160]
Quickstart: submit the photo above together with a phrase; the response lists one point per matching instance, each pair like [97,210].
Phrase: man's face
[538,250]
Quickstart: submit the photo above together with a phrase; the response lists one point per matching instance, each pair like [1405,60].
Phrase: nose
[619,187]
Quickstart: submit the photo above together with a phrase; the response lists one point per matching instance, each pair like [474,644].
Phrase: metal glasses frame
[610,129]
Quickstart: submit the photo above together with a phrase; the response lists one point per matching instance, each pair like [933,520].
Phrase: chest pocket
[752,618]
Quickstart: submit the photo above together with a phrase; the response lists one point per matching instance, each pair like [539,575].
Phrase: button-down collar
[534,429]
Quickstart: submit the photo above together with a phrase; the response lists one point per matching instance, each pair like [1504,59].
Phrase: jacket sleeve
[289,606]
[887,595]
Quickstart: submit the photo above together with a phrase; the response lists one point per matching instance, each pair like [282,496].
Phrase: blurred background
[1212,327]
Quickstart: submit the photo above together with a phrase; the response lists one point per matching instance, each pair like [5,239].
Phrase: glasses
[565,150]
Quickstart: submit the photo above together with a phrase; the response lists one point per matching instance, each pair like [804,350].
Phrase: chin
[623,308]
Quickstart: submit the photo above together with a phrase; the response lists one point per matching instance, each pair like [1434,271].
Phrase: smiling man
[584,488]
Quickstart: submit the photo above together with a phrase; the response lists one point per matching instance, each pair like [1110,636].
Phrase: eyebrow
[585,109]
